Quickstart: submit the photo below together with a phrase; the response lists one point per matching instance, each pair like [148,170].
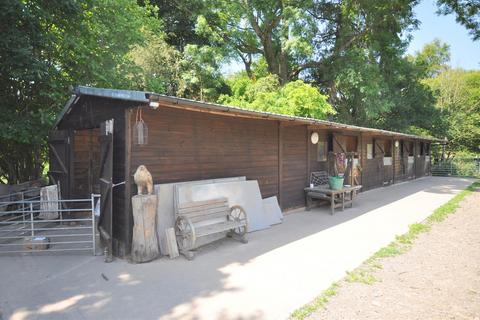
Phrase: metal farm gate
[460,167]
[36,226]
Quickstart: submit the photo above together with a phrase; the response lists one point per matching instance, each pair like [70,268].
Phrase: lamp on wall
[397,143]
[153,102]
[314,137]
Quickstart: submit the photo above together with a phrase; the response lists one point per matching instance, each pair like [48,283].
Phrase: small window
[427,149]
[322,150]
[422,148]
[401,149]
[369,151]
[387,148]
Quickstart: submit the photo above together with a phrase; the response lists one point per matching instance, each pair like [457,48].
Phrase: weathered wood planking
[185,145]
[86,162]
[294,175]
[88,114]
[144,240]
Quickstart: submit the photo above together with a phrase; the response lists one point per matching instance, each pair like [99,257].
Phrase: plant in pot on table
[336,182]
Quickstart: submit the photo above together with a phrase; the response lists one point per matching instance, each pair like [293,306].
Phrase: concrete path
[279,270]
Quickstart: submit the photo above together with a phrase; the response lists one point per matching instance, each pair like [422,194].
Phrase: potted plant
[336,181]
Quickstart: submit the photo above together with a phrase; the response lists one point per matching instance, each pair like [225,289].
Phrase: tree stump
[144,240]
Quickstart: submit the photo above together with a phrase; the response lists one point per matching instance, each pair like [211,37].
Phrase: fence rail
[40,226]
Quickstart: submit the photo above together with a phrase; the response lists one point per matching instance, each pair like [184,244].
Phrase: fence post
[23,209]
[31,219]
[92,203]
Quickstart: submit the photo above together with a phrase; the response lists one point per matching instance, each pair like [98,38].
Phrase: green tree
[458,98]
[266,94]
[279,31]
[467,13]
[45,48]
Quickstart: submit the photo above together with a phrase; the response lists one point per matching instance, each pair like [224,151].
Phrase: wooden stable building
[96,146]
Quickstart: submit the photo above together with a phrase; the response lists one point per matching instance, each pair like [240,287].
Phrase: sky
[464,52]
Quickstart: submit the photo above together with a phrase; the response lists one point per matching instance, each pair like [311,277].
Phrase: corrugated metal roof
[144,97]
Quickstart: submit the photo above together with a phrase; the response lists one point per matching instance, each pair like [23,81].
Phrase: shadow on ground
[83,287]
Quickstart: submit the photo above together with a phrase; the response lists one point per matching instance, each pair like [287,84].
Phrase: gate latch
[117,184]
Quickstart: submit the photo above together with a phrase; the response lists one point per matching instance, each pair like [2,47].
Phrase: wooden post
[144,240]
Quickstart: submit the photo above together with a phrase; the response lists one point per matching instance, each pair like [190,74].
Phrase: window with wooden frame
[401,149]
[322,150]
[422,148]
[427,149]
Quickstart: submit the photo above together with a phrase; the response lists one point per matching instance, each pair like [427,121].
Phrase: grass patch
[317,304]
[365,273]
[441,213]
[361,275]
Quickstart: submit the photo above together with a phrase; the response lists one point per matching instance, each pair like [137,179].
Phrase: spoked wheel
[237,214]
[185,233]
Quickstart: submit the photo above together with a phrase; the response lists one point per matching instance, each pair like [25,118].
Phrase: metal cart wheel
[185,233]
[237,214]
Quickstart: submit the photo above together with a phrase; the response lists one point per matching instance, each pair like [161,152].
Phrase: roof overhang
[175,102]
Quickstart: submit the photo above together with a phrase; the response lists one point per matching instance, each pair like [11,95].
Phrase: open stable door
[106,185]
[59,153]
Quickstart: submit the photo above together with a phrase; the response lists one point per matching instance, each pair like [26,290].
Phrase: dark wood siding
[314,164]
[387,145]
[400,161]
[86,163]
[373,172]
[419,160]
[185,145]
[87,114]
[293,165]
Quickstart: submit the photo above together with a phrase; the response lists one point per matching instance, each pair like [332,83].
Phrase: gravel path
[438,278]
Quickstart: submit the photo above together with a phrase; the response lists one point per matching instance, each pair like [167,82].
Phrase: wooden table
[337,198]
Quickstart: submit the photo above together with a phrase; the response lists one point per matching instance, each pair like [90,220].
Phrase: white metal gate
[39,226]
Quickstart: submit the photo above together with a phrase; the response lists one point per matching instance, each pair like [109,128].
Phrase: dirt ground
[438,278]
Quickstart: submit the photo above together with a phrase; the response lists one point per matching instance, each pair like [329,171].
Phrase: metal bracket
[117,184]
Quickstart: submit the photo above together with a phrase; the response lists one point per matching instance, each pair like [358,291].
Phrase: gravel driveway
[439,278]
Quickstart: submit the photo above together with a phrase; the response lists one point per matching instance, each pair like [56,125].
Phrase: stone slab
[272,210]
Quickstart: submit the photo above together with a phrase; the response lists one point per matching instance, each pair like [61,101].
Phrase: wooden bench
[201,222]
[319,178]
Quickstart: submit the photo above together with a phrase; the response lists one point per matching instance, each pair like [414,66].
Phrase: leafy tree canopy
[266,94]
[467,13]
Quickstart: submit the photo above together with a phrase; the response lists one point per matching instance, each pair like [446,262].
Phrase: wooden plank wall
[185,145]
[419,160]
[86,162]
[387,169]
[400,162]
[373,172]
[293,165]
